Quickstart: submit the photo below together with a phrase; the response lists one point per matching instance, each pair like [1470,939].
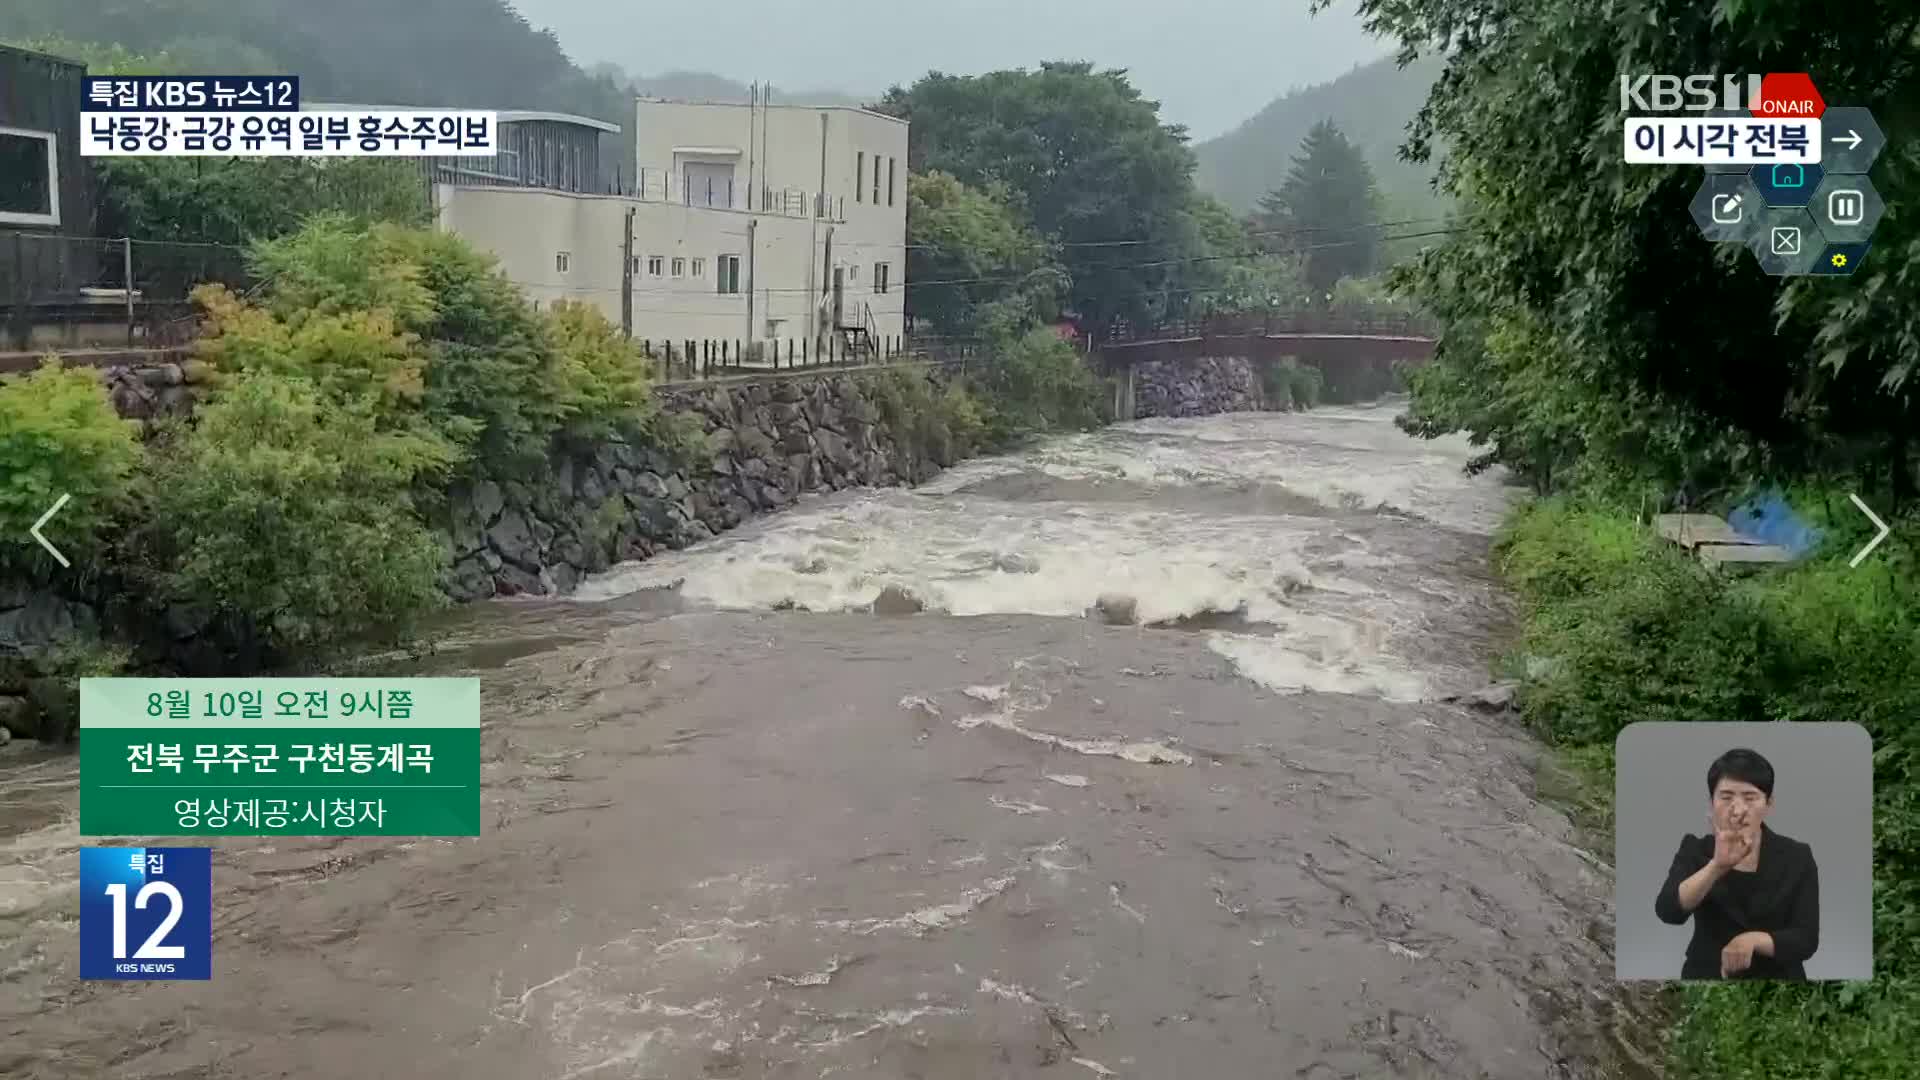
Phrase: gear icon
[1839,259]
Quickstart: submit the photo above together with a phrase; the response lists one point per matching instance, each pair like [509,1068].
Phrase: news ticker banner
[280,757]
[313,133]
[190,93]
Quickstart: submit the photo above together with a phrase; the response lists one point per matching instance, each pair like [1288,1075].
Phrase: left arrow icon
[38,525]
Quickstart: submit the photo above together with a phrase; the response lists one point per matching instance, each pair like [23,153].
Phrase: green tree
[284,510]
[1327,208]
[972,262]
[59,436]
[1089,162]
[1233,274]
[1795,377]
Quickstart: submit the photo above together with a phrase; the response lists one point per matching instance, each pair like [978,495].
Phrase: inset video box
[280,757]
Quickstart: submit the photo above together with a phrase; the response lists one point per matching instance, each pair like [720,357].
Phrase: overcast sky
[1211,63]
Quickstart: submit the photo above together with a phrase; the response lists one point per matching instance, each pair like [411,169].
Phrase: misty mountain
[1371,105]
[706,86]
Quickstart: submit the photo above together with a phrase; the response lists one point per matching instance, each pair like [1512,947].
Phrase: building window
[656,265]
[727,270]
[880,272]
[859,173]
[562,260]
[29,178]
[679,267]
[876,179]
[889,181]
[699,268]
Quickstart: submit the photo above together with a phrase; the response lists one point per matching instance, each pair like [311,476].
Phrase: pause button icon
[1846,207]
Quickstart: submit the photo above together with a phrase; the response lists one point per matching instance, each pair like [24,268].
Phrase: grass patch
[1620,627]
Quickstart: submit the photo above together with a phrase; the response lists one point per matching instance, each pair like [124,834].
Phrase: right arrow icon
[1852,140]
[1873,543]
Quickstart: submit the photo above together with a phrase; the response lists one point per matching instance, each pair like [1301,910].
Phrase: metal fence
[1314,321]
[697,359]
[64,293]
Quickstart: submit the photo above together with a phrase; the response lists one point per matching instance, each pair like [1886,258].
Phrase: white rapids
[1301,544]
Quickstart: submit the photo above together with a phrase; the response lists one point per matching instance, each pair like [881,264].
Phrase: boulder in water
[1116,609]
[897,600]
[1494,698]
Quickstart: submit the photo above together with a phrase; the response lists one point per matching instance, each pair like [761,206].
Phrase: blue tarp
[1769,520]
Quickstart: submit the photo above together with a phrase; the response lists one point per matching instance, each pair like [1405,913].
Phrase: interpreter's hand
[1738,955]
[1731,843]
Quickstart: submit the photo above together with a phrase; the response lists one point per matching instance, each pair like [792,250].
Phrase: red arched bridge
[1316,337]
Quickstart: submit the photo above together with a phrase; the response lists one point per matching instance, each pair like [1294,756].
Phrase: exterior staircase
[859,335]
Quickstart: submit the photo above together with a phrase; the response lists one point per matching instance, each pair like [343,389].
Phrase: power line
[1017,278]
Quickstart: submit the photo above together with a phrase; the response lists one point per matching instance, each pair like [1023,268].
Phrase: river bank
[738,449]
[736,824]
[1621,629]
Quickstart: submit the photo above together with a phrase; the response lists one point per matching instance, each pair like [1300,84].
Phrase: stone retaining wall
[768,443]
[1202,387]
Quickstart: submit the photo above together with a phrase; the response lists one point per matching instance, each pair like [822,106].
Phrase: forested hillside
[706,86]
[477,53]
[1371,104]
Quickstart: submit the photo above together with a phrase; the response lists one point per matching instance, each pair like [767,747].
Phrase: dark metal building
[47,189]
[556,151]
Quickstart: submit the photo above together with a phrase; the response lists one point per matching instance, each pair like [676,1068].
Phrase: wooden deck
[1714,542]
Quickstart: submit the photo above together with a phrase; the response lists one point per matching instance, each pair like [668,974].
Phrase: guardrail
[1314,322]
[75,293]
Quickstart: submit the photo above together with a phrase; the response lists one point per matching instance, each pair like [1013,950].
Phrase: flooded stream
[1157,784]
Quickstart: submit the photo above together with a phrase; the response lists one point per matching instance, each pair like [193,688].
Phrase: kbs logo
[1780,94]
[1688,93]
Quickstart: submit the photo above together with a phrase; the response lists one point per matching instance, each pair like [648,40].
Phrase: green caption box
[280,757]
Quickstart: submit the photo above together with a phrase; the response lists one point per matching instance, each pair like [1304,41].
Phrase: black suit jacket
[1781,896]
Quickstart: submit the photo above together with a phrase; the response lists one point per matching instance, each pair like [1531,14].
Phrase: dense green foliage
[1807,376]
[1035,383]
[286,506]
[233,201]
[1327,208]
[1084,158]
[973,265]
[1373,104]
[1620,627]
[59,435]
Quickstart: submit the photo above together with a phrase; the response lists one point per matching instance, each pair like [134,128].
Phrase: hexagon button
[1786,183]
[1852,139]
[1785,240]
[1839,259]
[1846,207]
[1726,207]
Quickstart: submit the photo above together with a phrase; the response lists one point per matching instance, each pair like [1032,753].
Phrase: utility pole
[626,278]
[752,225]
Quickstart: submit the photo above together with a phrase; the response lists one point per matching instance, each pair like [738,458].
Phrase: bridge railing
[1366,324]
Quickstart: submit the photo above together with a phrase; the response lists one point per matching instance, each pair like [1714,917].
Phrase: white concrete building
[749,223]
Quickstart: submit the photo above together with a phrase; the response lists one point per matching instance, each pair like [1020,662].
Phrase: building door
[839,297]
[706,183]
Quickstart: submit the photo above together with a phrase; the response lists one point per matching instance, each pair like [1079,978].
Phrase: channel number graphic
[146,913]
[1801,219]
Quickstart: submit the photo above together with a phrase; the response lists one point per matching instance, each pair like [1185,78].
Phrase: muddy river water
[736,824]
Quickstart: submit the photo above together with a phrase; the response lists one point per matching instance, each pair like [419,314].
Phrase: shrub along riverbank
[1618,626]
